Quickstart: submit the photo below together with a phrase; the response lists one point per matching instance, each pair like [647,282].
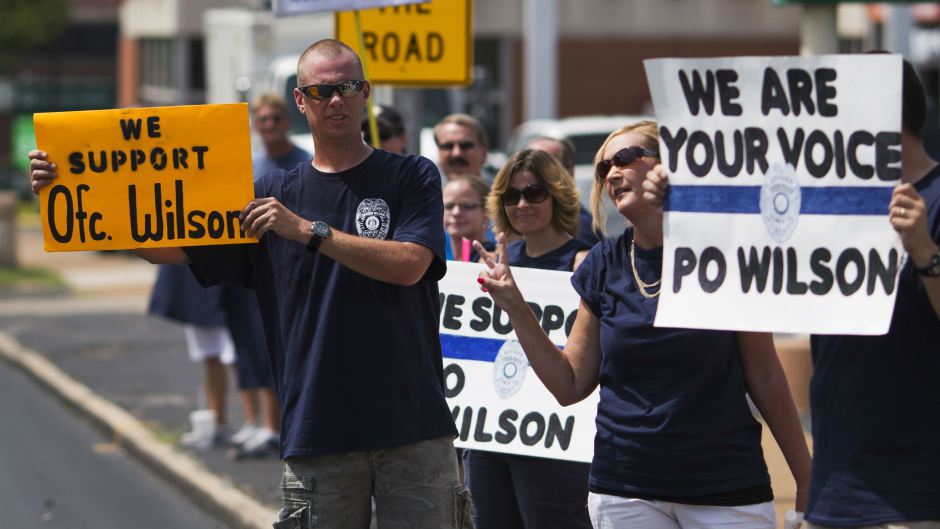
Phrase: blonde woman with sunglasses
[677,445]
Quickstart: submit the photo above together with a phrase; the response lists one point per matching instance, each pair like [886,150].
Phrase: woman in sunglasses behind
[677,445]
[534,197]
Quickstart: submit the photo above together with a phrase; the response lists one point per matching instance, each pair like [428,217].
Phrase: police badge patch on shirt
[373,218]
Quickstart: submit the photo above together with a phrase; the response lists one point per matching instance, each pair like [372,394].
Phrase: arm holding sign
[162,255]
[764,377]
[571,375]
[908,216]
[43,172]
[400,263]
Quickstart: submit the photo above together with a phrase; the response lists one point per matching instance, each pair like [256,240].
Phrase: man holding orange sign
[351,249]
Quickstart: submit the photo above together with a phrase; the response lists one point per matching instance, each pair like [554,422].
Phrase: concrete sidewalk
[129,373]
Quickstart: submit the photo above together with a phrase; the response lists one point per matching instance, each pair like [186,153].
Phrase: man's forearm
[162,255]
[400,263]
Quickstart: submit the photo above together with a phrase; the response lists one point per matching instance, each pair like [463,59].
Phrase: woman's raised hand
[497,278]
[655,186]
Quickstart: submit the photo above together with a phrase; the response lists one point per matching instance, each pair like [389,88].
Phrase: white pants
[209,342]
[928,524]
[615,512]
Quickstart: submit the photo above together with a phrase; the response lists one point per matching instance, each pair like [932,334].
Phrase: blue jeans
[514,492]
[413,485]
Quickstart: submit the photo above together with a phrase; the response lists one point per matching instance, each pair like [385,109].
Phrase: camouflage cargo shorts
[414,486]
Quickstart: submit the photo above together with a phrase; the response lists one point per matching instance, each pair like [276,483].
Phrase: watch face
[934,269]
[321,229]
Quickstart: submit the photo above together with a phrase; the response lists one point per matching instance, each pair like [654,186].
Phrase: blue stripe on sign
[467,348]
[746,199]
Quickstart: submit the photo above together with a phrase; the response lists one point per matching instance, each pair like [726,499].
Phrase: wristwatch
[318,231]
[933,267]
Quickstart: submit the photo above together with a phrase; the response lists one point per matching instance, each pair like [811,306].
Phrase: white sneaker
[263,443]
[205,432]
[246,432]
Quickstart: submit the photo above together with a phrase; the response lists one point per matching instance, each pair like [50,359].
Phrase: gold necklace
[639,282]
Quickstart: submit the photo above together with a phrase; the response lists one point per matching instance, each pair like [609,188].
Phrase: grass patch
[27,212]
[23,277]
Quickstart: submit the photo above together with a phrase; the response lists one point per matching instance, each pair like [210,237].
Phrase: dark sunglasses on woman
[323,92]
[533,194]
[622,158]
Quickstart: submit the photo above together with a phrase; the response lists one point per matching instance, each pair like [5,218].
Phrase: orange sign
[145,177]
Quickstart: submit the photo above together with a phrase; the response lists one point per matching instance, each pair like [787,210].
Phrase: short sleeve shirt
[672,420]
[561,258]
[357,361]
[262,163]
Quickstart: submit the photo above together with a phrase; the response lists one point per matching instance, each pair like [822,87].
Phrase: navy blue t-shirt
[672,420]
[876,410]
[262,163]
[587,233]
[561,258]
[178,296]
[357,361]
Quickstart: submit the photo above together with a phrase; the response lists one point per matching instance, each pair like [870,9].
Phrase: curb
[210,492]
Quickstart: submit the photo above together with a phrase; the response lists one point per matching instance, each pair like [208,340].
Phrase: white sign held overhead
[287,8]
[781,171]
[498,402]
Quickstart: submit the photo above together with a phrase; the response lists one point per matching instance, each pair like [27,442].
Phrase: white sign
[287,8]
[781,171]
[499,403]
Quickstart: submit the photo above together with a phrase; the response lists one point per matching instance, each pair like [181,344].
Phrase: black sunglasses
[464,145]
[622,158]
[323,92]
[533,194]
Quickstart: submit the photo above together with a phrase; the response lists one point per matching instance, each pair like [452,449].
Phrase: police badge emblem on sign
[780,201]
[509,369]
[373,218]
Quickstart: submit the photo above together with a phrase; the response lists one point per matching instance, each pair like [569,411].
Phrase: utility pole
[818,34]
[897,34]
[540,21]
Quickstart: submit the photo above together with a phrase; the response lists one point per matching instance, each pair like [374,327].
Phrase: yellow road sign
[419,45]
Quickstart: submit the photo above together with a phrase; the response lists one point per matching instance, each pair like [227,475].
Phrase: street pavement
[95,346]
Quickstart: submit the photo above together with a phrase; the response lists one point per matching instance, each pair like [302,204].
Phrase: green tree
[25,24]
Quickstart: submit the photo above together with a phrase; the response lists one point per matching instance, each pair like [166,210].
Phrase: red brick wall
[606,76]
[127,78]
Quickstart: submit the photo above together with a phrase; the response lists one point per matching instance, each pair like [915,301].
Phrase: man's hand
[41,171]
[908,216]
[262,215]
